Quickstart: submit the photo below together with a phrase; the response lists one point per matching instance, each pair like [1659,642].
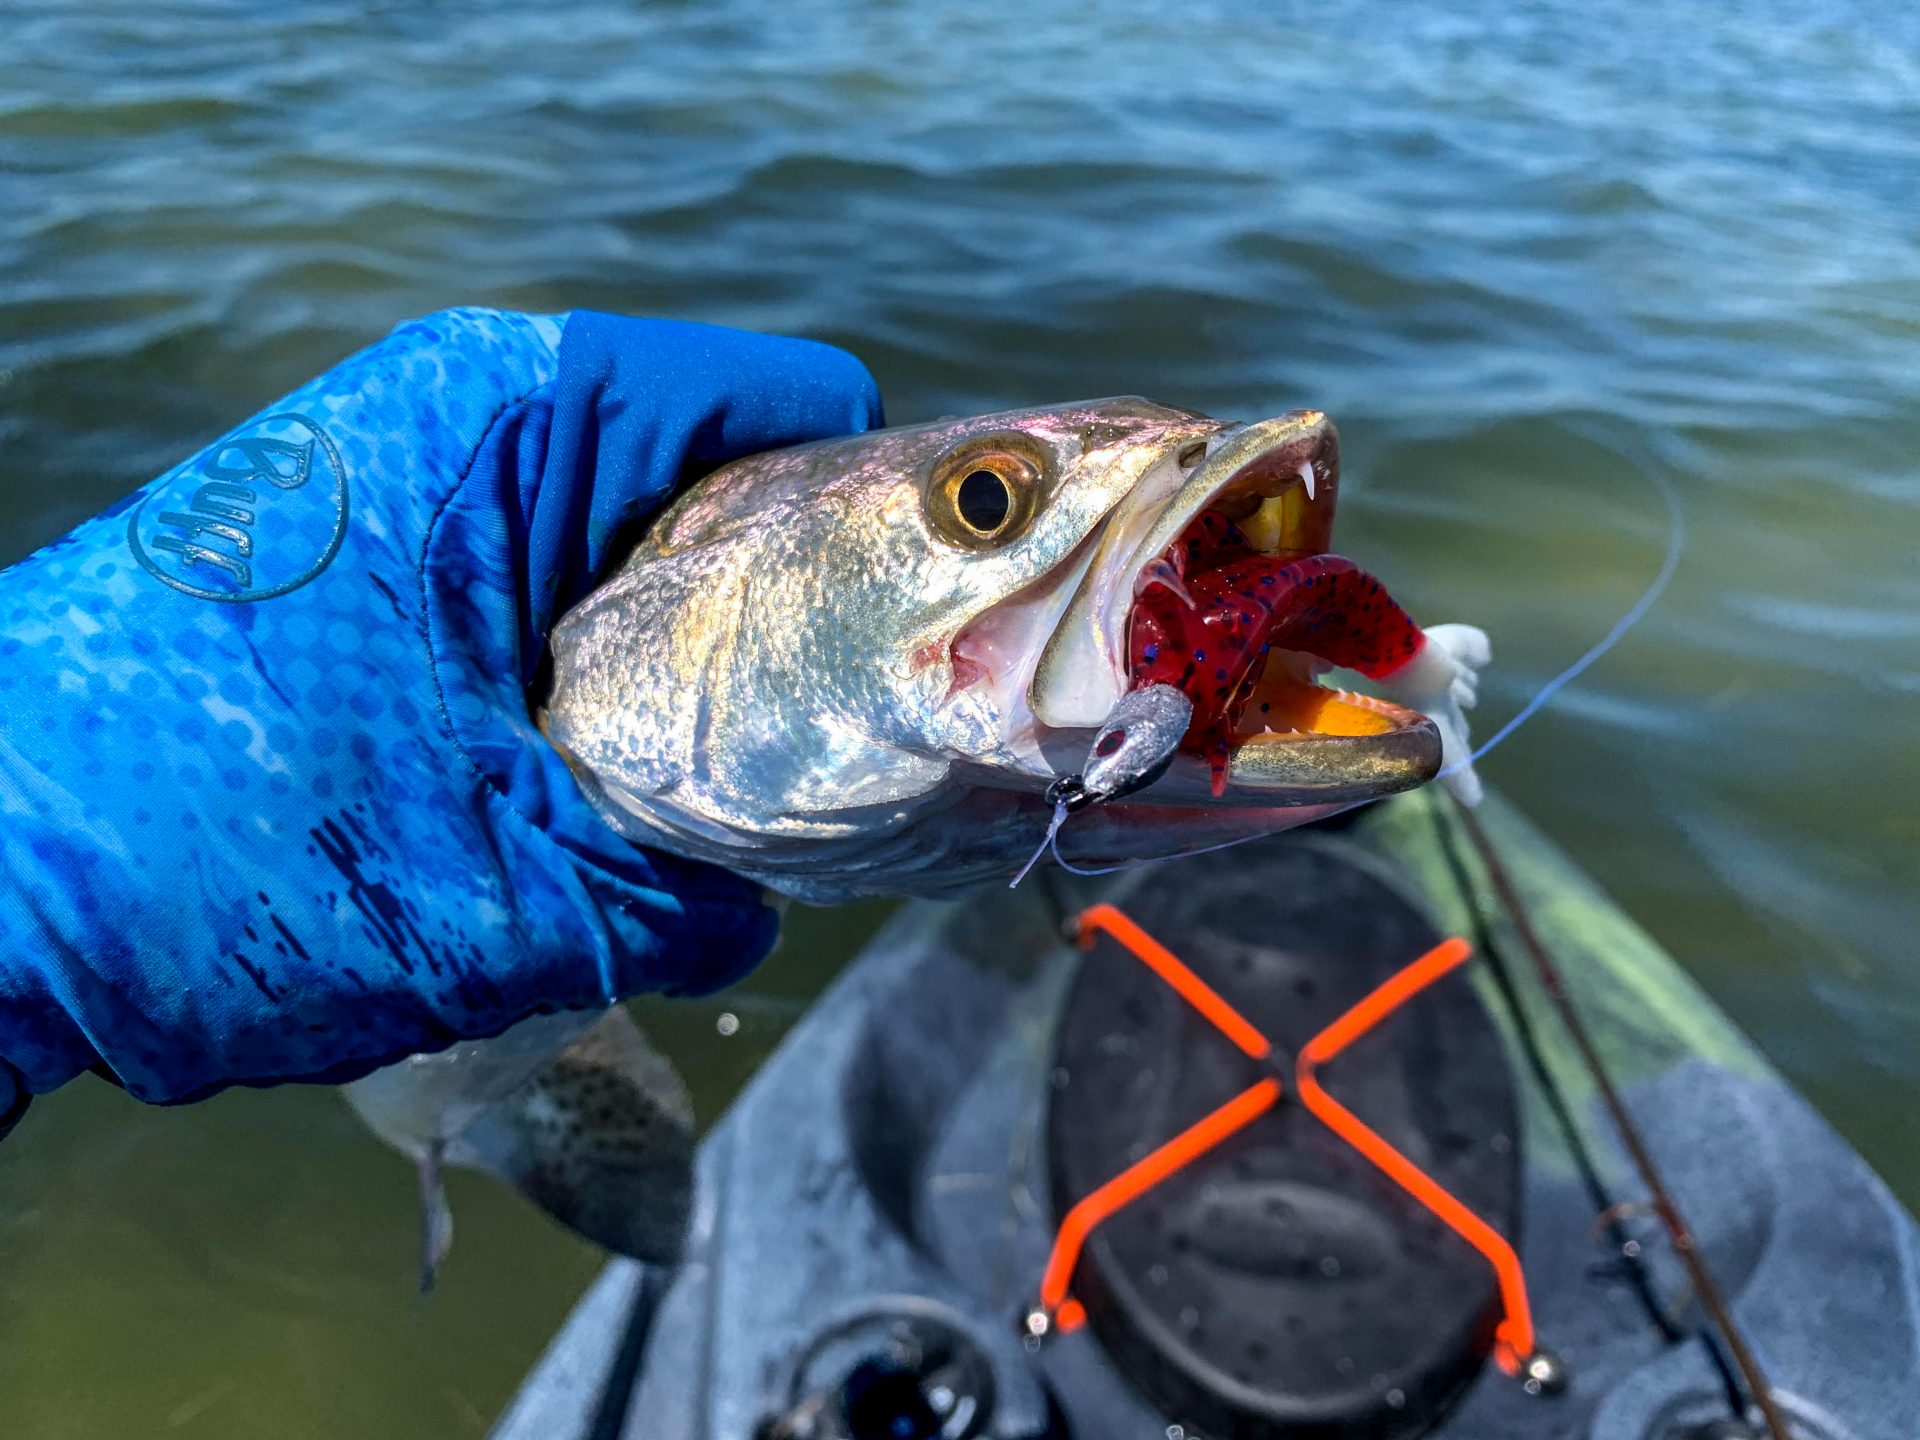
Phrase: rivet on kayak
[1543,1373]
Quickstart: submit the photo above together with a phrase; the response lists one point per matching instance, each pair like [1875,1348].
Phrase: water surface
[1527,254]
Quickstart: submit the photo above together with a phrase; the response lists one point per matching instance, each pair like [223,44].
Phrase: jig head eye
[1138,742]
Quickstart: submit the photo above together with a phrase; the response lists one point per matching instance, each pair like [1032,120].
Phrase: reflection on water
[1525,256]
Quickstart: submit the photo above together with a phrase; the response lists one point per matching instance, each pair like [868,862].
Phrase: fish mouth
[1214,573]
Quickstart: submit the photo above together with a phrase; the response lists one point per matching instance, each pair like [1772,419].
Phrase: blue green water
[1525,253]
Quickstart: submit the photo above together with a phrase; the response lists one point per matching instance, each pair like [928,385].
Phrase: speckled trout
[864,667]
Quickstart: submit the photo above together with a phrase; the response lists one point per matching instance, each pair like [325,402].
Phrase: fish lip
[1314,769]
[1287,770]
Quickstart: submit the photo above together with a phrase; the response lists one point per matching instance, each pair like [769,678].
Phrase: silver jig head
[1132,750]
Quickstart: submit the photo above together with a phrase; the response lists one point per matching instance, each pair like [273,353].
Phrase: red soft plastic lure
[1214,607]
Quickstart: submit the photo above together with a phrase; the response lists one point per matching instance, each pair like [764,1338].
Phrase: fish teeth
[1306,476]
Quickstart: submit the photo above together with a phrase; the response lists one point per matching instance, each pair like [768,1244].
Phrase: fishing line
[1676,546]
[1047,842]
[1670,562]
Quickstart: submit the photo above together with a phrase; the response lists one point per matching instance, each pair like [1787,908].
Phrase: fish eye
[983,500]
[983,494]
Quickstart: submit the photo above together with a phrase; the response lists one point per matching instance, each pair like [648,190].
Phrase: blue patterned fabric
[271,804]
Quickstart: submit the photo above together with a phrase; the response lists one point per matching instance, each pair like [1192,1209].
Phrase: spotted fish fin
[602,1139]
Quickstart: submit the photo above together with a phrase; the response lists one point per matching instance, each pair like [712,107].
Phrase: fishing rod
[1661,1200]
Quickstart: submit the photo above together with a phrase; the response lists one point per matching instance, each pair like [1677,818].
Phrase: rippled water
[1527,254]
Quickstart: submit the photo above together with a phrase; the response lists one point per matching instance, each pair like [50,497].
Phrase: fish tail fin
[602,1139]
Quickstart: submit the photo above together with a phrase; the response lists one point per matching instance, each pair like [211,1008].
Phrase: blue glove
[271,803]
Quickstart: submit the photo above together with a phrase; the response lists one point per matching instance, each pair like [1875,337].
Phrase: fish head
[855,666]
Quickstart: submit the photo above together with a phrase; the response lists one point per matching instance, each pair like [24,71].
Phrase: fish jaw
[1279,479]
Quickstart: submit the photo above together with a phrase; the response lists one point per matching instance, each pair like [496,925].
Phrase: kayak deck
[883,1187]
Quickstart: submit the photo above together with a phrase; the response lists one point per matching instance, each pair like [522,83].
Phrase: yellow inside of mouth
[1285,704]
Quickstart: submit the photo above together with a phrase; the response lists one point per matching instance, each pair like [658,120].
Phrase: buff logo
[257,515]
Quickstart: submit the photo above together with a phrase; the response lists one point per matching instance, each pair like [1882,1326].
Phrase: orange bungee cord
[1514,1343]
